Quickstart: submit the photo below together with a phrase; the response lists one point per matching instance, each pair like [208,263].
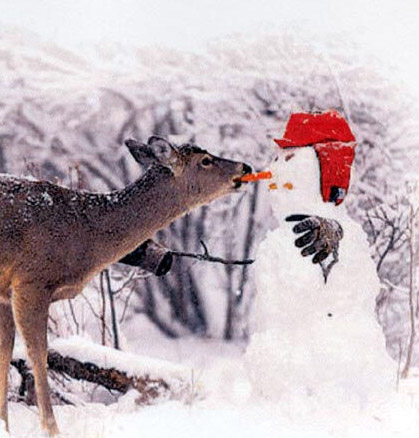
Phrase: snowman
[317,342]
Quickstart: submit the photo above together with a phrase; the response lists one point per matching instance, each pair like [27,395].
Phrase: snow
[17,179]
[228,406]
[228,409]
[47,198]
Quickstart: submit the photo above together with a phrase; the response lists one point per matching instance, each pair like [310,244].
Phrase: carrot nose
[253,177]
[288,186]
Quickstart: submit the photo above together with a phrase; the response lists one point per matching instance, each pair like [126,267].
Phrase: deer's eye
[206,161]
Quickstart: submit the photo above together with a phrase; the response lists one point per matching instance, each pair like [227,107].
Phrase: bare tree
[413,194]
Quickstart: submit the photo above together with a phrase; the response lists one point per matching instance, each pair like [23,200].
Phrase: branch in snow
[110,378]
[115,370]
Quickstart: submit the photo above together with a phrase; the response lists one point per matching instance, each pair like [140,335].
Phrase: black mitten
[321,238]
[151,257]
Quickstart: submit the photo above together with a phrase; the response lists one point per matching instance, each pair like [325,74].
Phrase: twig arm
[207,257]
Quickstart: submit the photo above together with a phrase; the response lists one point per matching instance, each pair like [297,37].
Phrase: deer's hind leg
[7,336]
[30,308]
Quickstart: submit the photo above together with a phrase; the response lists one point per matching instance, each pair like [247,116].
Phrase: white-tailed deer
[54,240]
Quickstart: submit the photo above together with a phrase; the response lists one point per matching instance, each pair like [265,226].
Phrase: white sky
[389,28]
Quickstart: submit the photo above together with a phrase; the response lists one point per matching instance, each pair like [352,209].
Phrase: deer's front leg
[7,336]
[150,256]
[30,308]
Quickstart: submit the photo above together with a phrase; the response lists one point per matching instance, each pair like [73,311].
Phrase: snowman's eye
[289,156]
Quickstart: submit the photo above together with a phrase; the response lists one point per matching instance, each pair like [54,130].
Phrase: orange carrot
[252,177]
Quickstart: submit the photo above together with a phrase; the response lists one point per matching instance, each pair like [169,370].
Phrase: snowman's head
[321,148]
[296,173]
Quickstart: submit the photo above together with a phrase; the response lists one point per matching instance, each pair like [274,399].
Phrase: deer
[54,240]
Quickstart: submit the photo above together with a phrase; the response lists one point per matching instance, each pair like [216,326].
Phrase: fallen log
[113,369]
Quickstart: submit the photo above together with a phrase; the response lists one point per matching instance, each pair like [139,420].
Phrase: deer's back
[45,232]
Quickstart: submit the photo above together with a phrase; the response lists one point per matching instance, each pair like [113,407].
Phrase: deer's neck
[138,211]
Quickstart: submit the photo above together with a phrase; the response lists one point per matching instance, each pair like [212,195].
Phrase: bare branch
[412,313]
[124,284]
[127,300]
[103,310]
[113,310]
[207,257]
[73,316]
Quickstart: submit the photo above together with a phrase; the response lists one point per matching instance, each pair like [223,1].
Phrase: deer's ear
[167,154]
[158,150]
[142,153]
[164,150]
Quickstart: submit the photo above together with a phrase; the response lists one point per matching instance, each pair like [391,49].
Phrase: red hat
[334,143]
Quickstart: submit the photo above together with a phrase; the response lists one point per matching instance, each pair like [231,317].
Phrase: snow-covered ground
[177,421]
[228,408]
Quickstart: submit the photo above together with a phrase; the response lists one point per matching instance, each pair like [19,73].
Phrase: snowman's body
[318,339]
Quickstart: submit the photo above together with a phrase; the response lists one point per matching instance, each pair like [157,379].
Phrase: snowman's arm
[157,259]
[327,267]
[321,236]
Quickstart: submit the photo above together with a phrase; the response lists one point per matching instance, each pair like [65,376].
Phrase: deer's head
[201,176]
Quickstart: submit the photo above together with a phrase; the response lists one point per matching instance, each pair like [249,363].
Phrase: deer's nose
[246,169]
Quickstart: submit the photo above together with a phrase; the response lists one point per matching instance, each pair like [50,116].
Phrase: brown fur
[54,240]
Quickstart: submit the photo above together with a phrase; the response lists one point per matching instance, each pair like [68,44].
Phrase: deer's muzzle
[246,169]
